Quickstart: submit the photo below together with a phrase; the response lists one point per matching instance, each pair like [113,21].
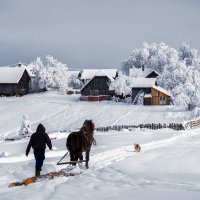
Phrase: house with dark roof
[14,81]
[97,88]
[151,93]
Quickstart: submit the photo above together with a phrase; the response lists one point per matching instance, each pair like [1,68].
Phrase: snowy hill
[167,167]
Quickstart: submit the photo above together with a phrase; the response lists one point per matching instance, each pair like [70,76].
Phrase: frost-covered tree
[189,55]
[120,85]
[140,99]
[40,74]
[173,74]
[183,82]
[154,56]
[58,73]
[53,75]
[74,82]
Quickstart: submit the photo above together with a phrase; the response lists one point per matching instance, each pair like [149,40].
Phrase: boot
[37,173]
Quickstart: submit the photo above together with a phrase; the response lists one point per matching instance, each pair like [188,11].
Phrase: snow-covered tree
[53,75]
[40,74]
[183,82]
[120,85]
[58,73]
[189,55]
[74,82]
[25,129]
[154,56]
[140,99]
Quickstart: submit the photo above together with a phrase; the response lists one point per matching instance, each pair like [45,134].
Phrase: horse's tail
[68,142]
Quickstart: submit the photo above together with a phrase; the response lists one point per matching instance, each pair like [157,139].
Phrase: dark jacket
[39,139]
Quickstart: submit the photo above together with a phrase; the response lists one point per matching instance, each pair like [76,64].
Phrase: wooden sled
[69,162]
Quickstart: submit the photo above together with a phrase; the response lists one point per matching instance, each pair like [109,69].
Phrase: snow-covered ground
[168,167]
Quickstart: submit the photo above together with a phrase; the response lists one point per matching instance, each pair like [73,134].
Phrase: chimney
[142,67]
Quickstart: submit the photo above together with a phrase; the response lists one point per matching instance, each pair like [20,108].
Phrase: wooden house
[87,74]
[14,81]
[152,94]
[97,88]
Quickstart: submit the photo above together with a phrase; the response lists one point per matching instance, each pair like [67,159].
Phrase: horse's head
[89,125]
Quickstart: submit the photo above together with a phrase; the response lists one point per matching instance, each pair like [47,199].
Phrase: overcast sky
[93,33]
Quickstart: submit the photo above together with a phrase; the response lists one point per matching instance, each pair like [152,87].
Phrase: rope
[62,158]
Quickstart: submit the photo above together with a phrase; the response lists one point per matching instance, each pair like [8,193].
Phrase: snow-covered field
[168,167]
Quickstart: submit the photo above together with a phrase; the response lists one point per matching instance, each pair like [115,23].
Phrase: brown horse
[81,141]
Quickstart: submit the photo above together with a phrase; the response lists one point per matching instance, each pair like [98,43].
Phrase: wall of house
[97,86]
[156,97]
[24,83]
[8,89]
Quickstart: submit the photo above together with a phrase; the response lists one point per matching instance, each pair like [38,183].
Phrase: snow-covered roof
[29,69]
[99,73]
[142,82]
[11,74]
[161,90]
[89,73]
[138,72]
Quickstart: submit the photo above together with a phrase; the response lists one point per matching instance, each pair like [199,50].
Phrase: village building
[14,81]
[152,94]
[97,88]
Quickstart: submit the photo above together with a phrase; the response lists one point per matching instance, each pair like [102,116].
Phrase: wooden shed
[14,81]
[97,88]
[152,94]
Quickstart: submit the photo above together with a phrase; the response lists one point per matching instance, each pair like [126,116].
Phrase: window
[162,100]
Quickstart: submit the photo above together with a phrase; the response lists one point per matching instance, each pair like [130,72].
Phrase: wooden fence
[173,126]
[191,124]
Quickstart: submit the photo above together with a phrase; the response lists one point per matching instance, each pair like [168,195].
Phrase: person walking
[38,142]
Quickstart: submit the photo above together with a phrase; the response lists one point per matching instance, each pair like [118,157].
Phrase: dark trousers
[39,158]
